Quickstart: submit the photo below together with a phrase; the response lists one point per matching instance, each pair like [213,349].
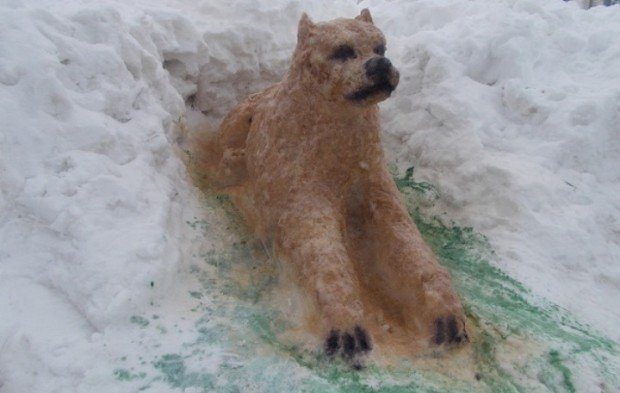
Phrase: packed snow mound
[509,108]
[512,109]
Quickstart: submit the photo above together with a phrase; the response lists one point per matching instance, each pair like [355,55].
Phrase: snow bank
[88,192]
[510,108]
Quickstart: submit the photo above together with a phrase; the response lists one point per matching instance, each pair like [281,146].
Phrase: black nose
[378,68]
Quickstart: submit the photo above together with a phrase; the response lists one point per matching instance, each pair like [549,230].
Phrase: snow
[517,123]
[509,108]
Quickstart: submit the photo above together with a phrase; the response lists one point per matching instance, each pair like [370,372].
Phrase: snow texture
[510,108]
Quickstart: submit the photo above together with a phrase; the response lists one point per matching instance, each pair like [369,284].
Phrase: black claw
[332,344]
[363,340]
[348,346]
[453,332]
[439,332]
[447,331]
[351,345]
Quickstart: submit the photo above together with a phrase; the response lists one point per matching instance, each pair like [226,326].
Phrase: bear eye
[343,53]
[380,50]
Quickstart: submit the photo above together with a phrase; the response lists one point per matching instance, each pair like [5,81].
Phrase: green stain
[489,370]
[493,296]
[198,224]
[502,309]
[138,320]
[172,366]
[506,317]
[558,363]
[125,375]
[407,182]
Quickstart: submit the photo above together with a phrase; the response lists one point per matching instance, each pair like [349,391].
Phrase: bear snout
[378,69]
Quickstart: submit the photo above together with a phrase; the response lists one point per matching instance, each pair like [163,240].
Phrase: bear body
[303,162]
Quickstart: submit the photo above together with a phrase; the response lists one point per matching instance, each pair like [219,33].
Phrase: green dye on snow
[138,320]
[503,310]
[408,183]
[126,375]
[520,343]
[556,361]
[175,373]
[197,224]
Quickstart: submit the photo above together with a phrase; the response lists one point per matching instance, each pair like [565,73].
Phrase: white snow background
[510,108]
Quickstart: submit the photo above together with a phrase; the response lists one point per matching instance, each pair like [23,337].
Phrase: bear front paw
[447,330]
[352,346]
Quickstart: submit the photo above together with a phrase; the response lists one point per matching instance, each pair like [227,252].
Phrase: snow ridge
[509,108]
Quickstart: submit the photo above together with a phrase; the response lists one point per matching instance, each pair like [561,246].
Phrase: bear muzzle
[383,78]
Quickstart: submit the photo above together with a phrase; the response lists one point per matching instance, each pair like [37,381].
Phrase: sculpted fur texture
[303,162]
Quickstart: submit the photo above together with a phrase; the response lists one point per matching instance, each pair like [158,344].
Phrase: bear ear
[305,27]
[364,16]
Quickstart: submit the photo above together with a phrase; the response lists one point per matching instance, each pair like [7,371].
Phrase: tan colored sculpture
[303,162]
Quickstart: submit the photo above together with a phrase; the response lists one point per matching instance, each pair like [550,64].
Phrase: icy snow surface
[117,275]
